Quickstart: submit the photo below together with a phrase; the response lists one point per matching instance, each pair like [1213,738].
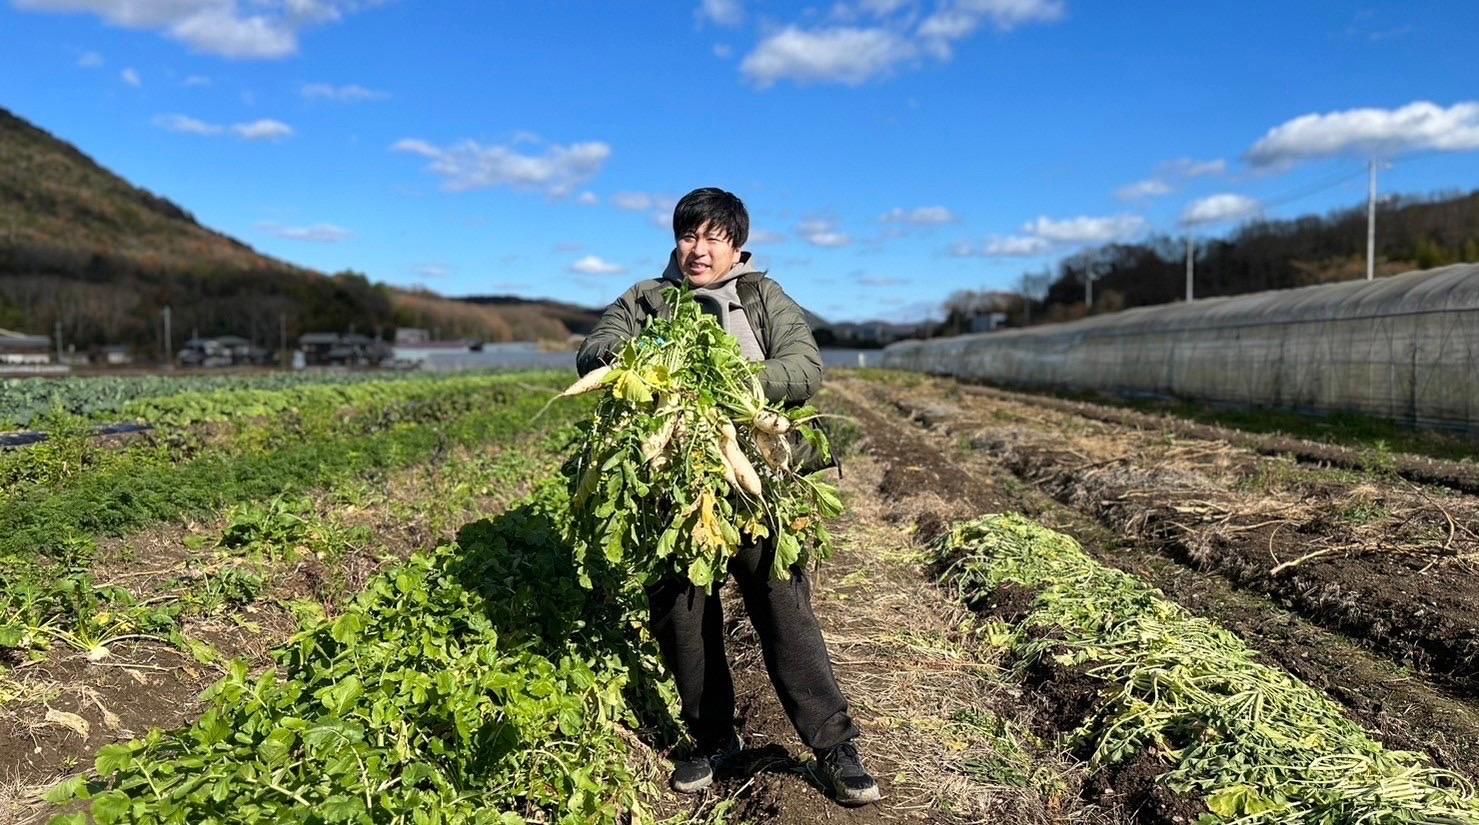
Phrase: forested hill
[81,245]
[1412,233]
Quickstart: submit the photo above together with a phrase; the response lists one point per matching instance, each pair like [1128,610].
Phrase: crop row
[1252,743]
[476,683]
[52,597]
[24,400]
[61,495]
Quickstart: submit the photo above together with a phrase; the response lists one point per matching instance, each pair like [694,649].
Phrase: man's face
[706,254]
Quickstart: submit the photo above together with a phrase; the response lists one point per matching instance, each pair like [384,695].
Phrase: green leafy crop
[1259,746]
[684,461]
[477,683]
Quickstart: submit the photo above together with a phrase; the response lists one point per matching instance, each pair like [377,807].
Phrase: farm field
[354,602]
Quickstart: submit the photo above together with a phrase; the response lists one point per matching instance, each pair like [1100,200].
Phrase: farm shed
[1404,347]
[18,348]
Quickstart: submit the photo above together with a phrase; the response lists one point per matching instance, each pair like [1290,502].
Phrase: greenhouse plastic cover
[1404,347]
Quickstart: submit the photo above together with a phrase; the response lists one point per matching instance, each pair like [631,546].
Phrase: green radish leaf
[110,807]
[112,758]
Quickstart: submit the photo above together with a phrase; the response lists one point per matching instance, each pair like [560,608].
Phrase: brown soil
[1404,582]
[1457,475]
[144,685]
[1403,712]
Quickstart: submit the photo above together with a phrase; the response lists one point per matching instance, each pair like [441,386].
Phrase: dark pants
[689,625]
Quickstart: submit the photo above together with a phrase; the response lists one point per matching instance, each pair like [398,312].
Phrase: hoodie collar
[675,274]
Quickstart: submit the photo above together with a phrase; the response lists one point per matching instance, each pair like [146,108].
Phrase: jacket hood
[675,274]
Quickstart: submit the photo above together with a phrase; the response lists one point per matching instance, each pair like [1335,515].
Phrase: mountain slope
[82,246]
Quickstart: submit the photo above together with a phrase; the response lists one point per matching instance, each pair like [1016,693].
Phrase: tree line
[1412,233]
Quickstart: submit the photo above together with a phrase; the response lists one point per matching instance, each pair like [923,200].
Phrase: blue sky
[890,151]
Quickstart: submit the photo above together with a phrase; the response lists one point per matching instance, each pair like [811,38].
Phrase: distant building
[114,355]
[222,351]
[17,348]
[988,321]
[418,352]
[316,346]
[333,349]
[405,336]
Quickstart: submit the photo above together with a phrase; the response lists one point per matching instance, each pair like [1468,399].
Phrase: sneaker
[696,772]
[840,768]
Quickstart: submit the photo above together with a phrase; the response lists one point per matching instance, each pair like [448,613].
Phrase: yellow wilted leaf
[70,721]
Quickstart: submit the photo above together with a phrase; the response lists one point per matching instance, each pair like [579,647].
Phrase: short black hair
[720,209]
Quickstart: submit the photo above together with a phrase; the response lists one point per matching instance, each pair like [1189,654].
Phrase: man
[710,226]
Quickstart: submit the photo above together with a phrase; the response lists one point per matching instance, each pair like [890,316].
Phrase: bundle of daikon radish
[684,461]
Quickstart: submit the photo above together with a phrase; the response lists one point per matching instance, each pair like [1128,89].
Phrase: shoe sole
[856,799]
[693,787]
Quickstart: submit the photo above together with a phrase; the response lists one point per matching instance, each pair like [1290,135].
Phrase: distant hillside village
[21,353]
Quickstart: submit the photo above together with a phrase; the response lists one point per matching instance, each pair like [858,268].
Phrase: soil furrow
[1403,712]
[1456,475]
[1386,563]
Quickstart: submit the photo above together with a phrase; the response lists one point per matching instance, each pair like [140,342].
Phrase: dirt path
[945,731]
[1405,712]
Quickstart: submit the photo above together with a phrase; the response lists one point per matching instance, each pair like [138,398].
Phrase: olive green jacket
[792,367]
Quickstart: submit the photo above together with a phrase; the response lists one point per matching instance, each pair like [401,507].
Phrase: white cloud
[822,232]
[763,237]
[593,265]
[1016,246]
[1181,169]
[723,51]
[318,233]
[89,60]
[1189,168]
[723,12]
[1084,230]
[472,165]
[882,8]
[587,198]
[1218,208]
[919,216]
[131,77]
[227,28]
[850,56]
[351,93]
[264,129]
[197,80]
[569,246]
[1140,189]
[958,19]
[851,53]
[881,281]
[643,201]
[658,206]
[1044,235]
[1417,126]
[187,125]
[432,271]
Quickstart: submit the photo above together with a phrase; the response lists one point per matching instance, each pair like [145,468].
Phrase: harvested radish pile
[684,461]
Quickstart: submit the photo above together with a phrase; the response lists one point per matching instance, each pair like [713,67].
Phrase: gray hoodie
[721,300]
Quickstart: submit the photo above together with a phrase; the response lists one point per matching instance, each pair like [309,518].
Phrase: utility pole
[1190,266]
[282,331]
[59,340]
[169,360]
[1371,224]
